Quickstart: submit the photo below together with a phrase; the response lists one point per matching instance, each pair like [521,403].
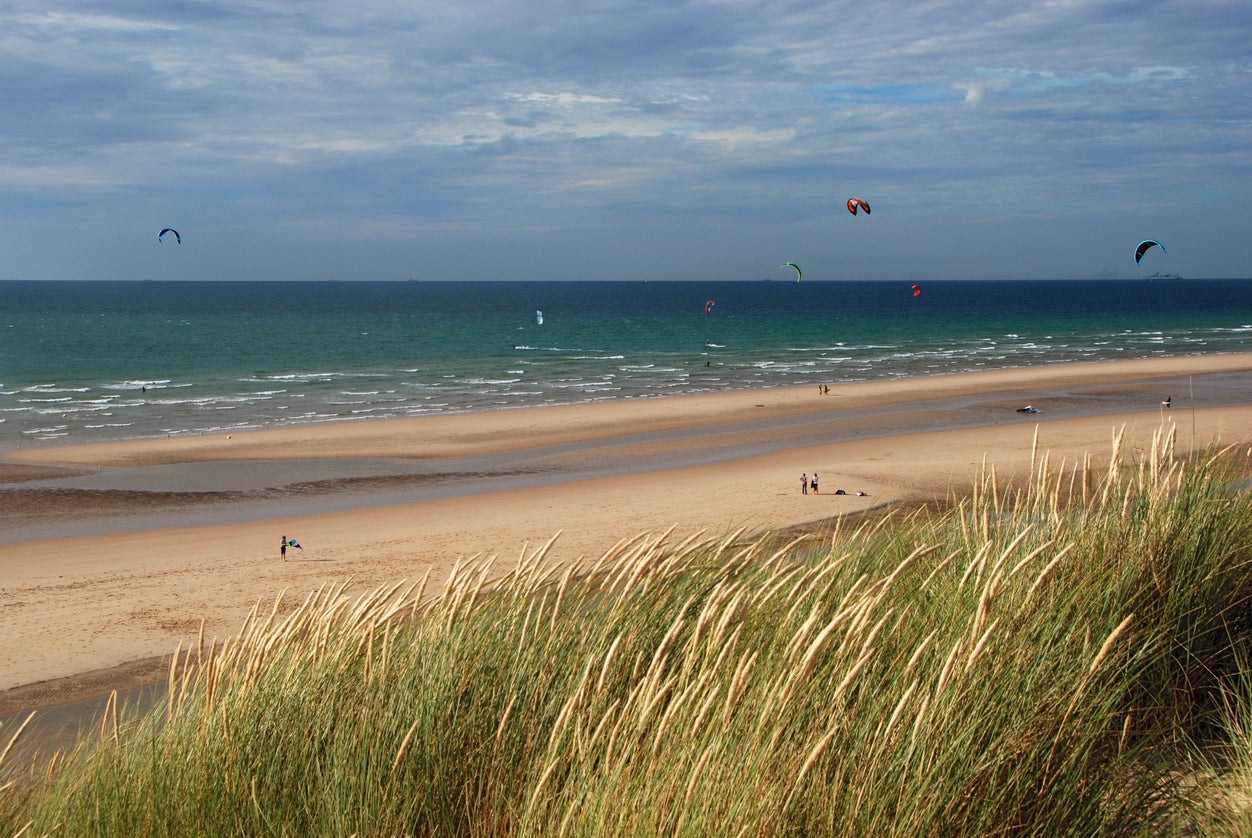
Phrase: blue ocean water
[86,361]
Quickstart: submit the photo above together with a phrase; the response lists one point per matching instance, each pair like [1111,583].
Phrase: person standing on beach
[282,549]
[815,483]
[804,484]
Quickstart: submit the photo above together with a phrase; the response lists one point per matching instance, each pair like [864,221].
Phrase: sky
[624,140]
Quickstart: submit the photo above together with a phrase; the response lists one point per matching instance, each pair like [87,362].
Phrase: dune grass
[1060,656]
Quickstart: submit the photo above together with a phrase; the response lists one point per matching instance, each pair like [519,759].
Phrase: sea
[84,361]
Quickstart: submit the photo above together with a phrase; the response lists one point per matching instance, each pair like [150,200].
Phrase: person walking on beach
[282,549]
[804,484]
[815,483]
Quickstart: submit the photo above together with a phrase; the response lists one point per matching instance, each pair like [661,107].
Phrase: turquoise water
[83,361]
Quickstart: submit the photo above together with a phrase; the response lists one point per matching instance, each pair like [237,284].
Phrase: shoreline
[457,434]
[101,597]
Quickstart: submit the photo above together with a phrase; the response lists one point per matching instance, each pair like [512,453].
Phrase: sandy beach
[113,554]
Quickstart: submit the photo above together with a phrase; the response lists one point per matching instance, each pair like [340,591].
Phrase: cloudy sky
[624,139]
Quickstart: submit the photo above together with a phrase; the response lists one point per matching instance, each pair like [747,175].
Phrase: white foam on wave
[67,409]
[587,385]
[57,400]
[41,389]
[308,377]
[492,382]
[155,384]
[51,429]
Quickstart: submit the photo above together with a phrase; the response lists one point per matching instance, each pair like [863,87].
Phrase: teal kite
[1145,246]
[799,273]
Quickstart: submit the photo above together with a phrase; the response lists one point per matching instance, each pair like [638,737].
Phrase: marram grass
[1057,657]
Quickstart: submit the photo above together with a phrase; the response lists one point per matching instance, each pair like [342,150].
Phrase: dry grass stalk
[800,637]
[939,568]
[798,783]
[738,683]
[947,667]
[976,564]
[899,708]
[1028,558]
[696,774]
[561,590]
[1047,571]
[982,641]
[567,709]
[629,566]
[713,610]
[608,659]
[1107,646]
[917,653]
[783,576]
[918,553]
[851,675]
[16,735]
[108,722]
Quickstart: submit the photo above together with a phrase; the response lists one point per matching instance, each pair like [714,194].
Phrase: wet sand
[112,554]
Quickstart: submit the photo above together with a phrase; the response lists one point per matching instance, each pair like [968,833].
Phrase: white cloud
[57,177]
[566,99]
[976,91]
[81,26]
